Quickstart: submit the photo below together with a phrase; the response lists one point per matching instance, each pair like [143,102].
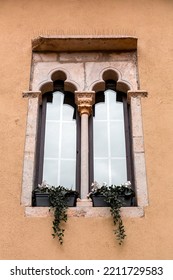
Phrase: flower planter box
[99,201]
[127,201]
[71,200]
[42,200]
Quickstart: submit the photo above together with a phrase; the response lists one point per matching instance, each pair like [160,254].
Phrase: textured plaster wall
[151,21]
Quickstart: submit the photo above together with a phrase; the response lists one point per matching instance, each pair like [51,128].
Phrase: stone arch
[46,86]
[113,74]
[123,86]
[58,74]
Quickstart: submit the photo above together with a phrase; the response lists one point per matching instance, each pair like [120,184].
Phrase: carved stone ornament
[84,100]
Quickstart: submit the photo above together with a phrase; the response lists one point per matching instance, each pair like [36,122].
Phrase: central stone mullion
[84,101]
[84,156]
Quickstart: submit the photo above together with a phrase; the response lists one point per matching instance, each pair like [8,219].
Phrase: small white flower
[96,185]
[44,185]
[127,184]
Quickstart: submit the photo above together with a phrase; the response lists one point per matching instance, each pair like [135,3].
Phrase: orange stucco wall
[149,237]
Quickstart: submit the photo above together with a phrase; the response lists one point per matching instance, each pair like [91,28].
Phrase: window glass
[53,108]
[100,139]
[60,143]
[109,141]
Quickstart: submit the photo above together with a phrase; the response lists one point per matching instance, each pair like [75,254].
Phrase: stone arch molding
[58,74]
[114,74]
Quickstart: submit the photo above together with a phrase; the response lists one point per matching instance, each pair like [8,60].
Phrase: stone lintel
[84,100]
[84,43]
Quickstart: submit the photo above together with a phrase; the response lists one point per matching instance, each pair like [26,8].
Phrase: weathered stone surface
[45,57]
[80,57]
[140,179]
[47,69]
[126,73]
[138,144]
[136,115]
[84,202]
[86,212]
[84,43]
[29,153]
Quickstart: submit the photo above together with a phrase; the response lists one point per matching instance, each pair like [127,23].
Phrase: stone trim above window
[84,43]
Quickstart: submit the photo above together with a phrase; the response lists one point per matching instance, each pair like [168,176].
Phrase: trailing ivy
[58,205]
[113,196]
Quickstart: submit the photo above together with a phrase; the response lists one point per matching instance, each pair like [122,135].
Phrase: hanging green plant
[59,202]
[115,197]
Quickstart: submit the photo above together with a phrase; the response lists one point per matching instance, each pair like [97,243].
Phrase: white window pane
[109,142]
[118,171]
[117,139]
[50,171]
[68,112]
[115,108]
[53,108]
[101,172]
[68,148]
[100,139]
[67,173]
[60,143]
[101,111]
[51,148]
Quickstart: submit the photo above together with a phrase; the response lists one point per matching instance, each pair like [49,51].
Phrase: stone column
[134,98]
[84,101]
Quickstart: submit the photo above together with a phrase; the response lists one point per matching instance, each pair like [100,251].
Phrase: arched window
[58,146]
[110,130]
[107,94]
[58,140]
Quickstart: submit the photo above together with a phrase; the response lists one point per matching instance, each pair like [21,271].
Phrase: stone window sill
[85,209]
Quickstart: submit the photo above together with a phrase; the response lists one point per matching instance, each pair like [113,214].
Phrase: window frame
[47,97]
[34,95]
[122,97]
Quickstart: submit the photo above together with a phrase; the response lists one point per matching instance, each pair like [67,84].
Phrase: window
[58,138]
[111,134]
[84,96]
[58,147]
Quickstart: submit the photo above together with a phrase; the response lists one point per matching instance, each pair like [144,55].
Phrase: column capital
[84,100]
